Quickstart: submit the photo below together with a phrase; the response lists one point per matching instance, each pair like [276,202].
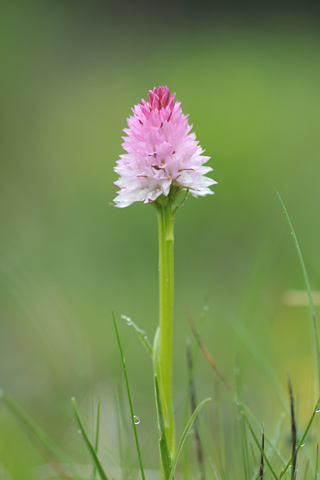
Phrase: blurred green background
[71,72]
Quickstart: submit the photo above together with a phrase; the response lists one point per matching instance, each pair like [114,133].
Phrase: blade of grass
[304,271]
[244,440]
[259,446]
[209,358]
[203,314]
[141,334]
[96,445]
[293,434]
[193,404]
[275,441]
[165,455]
[225,382]
[31,425]
[192,352]
[129,398]
[221,450]
[185,434]
[120,420]
[255,461]
[306,469]
[90,448]
[316,409]
[265,368]
[261,459]
[215,471]
[316,475]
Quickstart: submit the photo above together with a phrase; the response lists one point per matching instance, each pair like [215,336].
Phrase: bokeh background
[249,77]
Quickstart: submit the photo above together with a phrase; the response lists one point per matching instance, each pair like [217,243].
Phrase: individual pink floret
[161,153]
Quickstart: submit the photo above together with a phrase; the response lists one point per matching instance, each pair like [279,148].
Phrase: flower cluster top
[161,153]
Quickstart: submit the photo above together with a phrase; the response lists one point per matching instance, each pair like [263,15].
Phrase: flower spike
[161,155]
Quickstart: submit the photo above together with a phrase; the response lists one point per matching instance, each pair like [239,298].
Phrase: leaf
[90,448]
[165,455]
[304,271]
[260,447]
[31,425]
[185,434]
[97,438]
[129,397]
[141,334]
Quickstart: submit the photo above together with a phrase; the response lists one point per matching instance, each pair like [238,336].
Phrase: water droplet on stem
[136,419]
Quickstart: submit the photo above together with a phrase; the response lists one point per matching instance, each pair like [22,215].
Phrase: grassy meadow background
[71,71]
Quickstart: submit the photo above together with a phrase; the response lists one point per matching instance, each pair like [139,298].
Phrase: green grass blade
[214,469]
[244,440]
[306,469]
[31,425]
[266,437]
[316,474]
[90,448]
[315,410]
[265,368]
[165,455]
[96,445]
[313,315]
[259,446]
[185,434]
[141,334]
[225,382]
[275,441]
[129,398]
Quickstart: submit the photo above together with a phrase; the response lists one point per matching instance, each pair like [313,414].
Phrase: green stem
[163,356]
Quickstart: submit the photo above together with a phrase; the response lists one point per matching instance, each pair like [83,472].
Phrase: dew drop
[79,431]
[136,419]
[318,410]
[127,319]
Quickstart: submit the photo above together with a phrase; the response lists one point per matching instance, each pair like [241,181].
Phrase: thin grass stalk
[255,462]
[301,442]
[129,398]
[89,446]
[165,455]
[65,464]
[215,470]
[193,406]
[231,390]
[260,447]
[275,441]
[221,451]
[293,435]
[306,469]
[264,366]
[244,440]
[312,310]
[96,445]
[261,459]
[185,434]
